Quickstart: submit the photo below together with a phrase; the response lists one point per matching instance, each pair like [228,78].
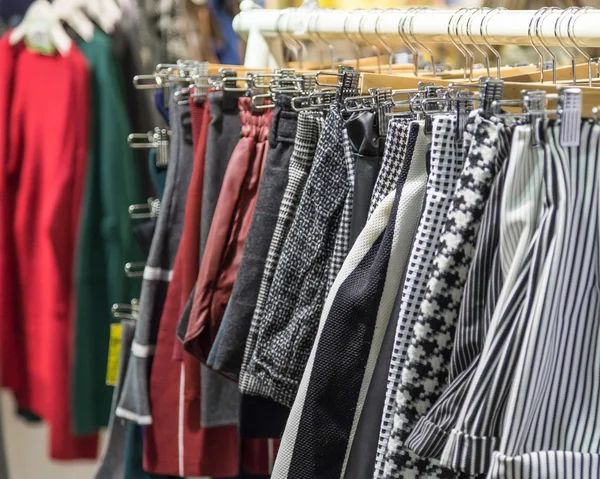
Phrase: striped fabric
[509,223]
[445,168]
[299,285]
[310,125]
[425,369]
[539,367]
[134,404]
[351,331]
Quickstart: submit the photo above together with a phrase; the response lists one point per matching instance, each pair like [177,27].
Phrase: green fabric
[105,241]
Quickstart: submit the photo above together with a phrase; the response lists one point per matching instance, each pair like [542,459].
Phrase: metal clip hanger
[135,269]
[159,139]
[316,100]
[126,311]
[569,115]
[148,210]
[341,70]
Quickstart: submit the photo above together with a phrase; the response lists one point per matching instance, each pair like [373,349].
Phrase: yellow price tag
[114,351]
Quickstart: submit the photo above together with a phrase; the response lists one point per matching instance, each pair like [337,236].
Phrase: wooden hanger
[512,90]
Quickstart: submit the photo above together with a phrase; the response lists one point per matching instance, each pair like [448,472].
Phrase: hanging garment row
[385,280]
[334,284]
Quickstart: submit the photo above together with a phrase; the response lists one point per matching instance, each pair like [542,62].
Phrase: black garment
[361,461]
[367,149]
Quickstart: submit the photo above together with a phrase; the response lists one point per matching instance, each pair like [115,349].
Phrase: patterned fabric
[550,426]
[342,241]
[352,328]
[425,369]
[445,169]
[536,410]
[299,286]
[367,243]
[310,126]
[395,149]
[507,228]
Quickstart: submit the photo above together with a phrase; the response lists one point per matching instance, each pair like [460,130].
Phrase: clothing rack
[266,29]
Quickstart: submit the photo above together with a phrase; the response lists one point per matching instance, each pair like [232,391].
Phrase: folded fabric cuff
[427,439]
[469,454]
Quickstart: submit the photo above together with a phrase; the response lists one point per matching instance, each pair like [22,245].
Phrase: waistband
[254,124]
[284,123]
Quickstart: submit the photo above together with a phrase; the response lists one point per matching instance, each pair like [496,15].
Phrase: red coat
[44,108]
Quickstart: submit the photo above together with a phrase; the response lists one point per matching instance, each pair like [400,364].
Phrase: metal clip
[385,105]
[159,139]
[126,311]
[569,115]
[135,269]
[148,82]
[147,210]
[465,101]
[535,107]
[348,85]
[316,100]
[490,90]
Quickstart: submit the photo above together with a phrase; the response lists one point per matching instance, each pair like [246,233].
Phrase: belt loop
[274,126]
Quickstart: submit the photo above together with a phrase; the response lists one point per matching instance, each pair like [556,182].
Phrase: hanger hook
[285,39]
[463,11]
[483,30]
[329,44]
[298,47]
[538,33]
[470,37]
[533,45]
[373,46]
[356,47]
[385,45]
[456,45]
[558,35]
[410,46]
[573,39]
[414,37]
[310,32]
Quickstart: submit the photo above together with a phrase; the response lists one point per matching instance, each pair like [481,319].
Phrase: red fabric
[175,444]
[228,231]
[43,148]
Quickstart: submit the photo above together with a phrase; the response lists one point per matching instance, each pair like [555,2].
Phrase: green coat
[105,241]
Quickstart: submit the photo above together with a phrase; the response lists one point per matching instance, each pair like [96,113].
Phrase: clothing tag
[39,37]
[114,351]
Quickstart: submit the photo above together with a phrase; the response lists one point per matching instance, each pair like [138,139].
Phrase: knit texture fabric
[354,319]
[299,286]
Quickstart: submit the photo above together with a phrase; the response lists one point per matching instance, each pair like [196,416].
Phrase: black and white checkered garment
[342,241]
[299,286]
[446,165]
[323,421]
[425,369]
[509,222]
[310,126]
[391,164]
